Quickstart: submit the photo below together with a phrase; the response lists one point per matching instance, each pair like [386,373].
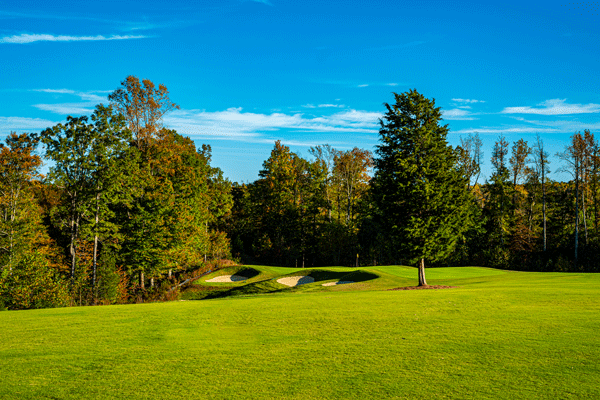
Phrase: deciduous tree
[20,222]
[143,105]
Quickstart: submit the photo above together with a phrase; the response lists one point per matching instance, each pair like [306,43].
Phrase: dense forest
[130,208]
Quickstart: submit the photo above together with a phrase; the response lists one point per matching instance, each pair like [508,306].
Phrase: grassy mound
[499,335]
[265,279]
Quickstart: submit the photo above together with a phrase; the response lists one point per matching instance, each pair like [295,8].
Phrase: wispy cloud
[89,96]
[67,108]
[31,38]
[554,107]
[457,114]
[90,100]
[363,85]
[568,126]
[324,106]
[22,124]
[121,25]
[235,124]
[468,101]
[331,105]
[498,130]
[61,91]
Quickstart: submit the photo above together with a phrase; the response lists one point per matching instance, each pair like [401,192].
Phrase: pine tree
[420,191]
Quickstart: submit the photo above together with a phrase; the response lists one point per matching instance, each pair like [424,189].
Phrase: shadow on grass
[248,273]
[272,286]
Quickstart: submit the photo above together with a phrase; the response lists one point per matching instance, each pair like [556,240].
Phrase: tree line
[353,208]
[129,206]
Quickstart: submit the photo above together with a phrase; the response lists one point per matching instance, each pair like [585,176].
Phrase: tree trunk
[95,255]
[142,283]
[544,203]
[595,199]
[585,229]
[422,281]
[576,210]
[72,247]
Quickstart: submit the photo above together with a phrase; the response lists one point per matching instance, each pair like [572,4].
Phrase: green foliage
[178,198]
[109,279]
[420,191]
[32,284]
[86,168]
[302,212]
[21,230]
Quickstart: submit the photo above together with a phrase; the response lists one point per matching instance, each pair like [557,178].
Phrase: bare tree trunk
[584,216]
[544,203]
[72,247]
[95,255]
[576,209]
[142,283]
[422,281]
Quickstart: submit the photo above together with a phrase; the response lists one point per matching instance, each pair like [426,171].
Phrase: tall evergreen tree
[421,193]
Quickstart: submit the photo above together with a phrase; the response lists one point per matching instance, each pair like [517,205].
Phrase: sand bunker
[295,280]
[228,278]
[336,283]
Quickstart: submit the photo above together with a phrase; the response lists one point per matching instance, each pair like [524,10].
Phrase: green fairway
[499,334]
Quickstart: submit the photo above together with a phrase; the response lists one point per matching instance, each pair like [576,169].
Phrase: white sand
[228,278]
[296,280]
[336,283]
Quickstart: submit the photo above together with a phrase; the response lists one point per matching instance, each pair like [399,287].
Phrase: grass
[499,335]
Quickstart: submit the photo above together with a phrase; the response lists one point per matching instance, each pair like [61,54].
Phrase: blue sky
[247,73]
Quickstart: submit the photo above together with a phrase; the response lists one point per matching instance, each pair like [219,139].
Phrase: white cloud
[90,100]
[309,106]
[363,85]
[331,105]
[468,101]
[554,107]
[235,124]
[506,130]
[457,114]
[30,38]
[352,118]
[565,126]
[391,84]
[61,91]
[67,108]
[21,124]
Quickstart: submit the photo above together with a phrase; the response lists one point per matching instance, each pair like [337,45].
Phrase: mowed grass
[499,335]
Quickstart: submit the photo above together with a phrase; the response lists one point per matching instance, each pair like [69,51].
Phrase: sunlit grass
[500,334]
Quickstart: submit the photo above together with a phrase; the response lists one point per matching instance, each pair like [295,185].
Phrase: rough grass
[499,335]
